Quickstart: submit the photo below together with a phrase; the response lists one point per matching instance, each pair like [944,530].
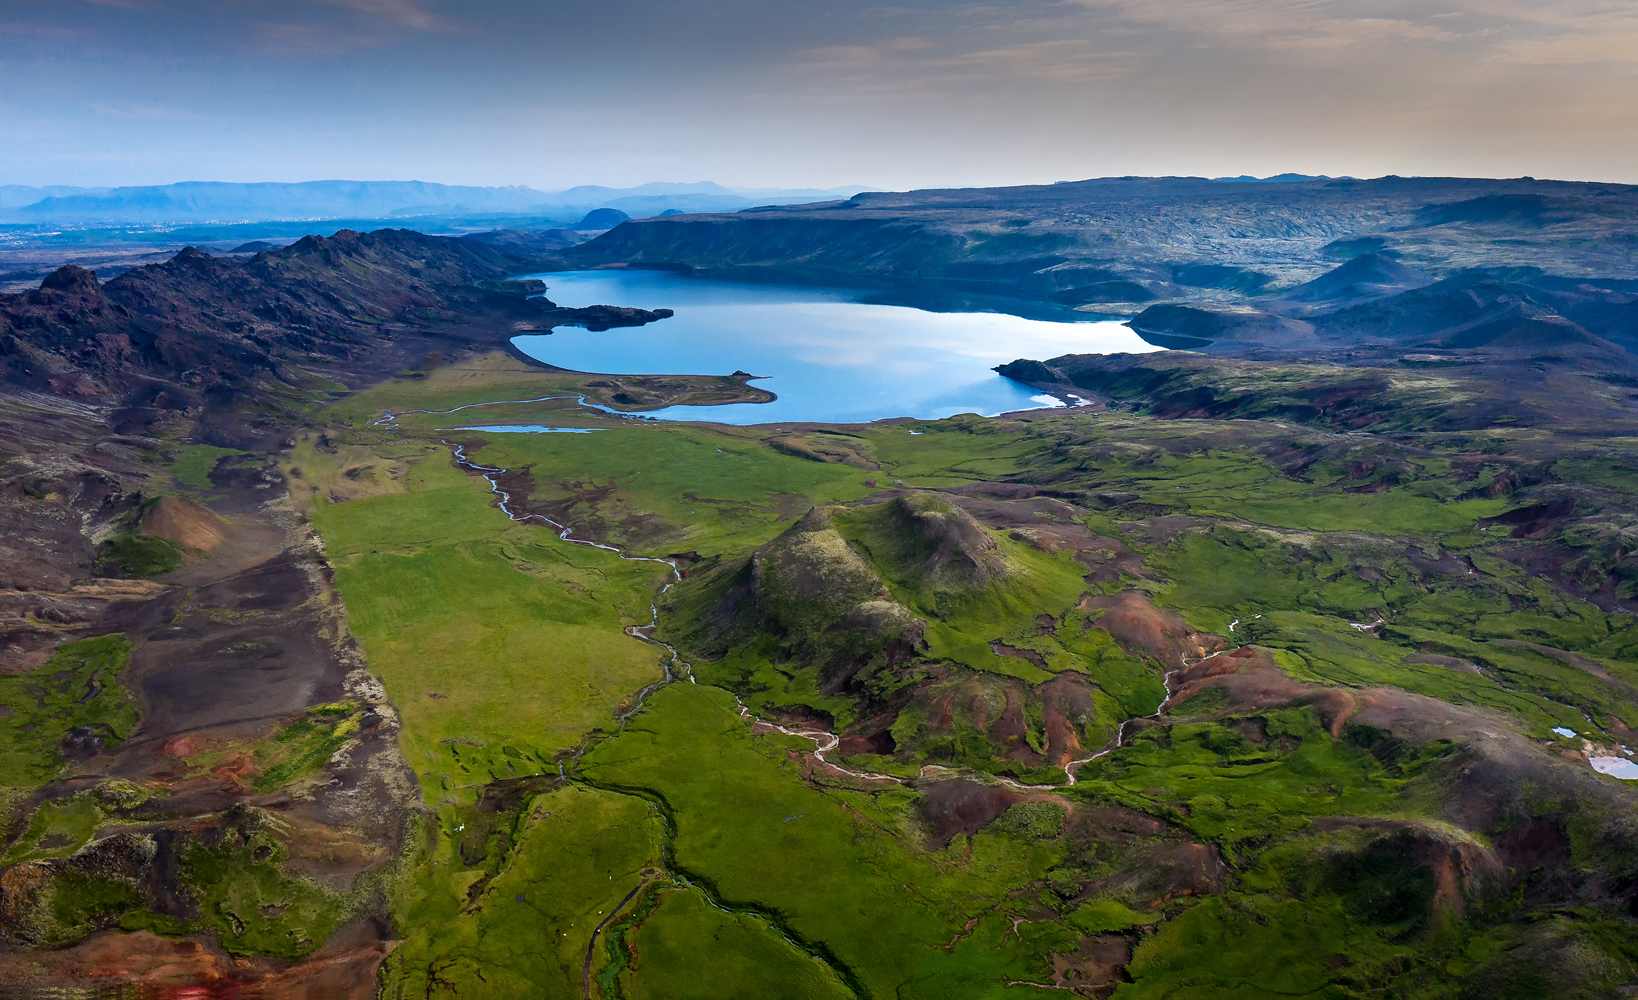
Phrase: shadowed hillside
[204,331]
[1231,268]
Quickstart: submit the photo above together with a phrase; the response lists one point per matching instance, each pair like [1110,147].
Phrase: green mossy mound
[812,598]
[809,577]
[76,697]
[136,556]
[938,545]
[228,880]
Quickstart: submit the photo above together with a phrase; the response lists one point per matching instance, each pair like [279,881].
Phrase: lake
[829,356]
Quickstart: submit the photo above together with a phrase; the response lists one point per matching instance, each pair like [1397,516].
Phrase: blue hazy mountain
[212,201]
[17,195]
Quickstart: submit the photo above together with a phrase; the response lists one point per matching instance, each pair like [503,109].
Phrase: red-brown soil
[1252,679]
[1064,699]
[184,524]
[344,968]
[960,806]
[1011,731]
[1145,630]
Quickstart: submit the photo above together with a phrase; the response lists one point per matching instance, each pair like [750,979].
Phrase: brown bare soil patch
[1000,648]
[1252,680]
[873,734]
[1011,730]
[1064,699]
[184,524]
[880,742]
[1141,628]
[1534,842]
[181,746]
[1166,872]
[1114,823]
[1095,968]
[961,806]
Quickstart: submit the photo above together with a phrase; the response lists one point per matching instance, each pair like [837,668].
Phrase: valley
[349,650]
[973,610]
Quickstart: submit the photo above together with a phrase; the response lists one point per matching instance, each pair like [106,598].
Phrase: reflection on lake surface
[1615,767]
[528,429]
[828,355]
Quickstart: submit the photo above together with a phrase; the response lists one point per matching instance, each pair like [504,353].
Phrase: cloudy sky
[766,93]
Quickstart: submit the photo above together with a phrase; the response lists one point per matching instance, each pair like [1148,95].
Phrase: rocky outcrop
[199,330]
[600,318]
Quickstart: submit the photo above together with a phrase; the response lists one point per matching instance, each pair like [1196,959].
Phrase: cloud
[1338,34]
[143,112]
[401,13]
[1575,49]
[1066,60]
[903,64]
[381,23]
[309,40]
[1543,32]
[50,32]
[1256,24]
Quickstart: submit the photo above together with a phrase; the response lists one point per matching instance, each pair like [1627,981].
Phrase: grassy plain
[688,949]
[500,645]
[528,932]
[838,871]
[670,488]
[725,860]
[193,463]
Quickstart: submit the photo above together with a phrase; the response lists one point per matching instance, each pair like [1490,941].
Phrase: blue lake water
[828,355]
[528,429]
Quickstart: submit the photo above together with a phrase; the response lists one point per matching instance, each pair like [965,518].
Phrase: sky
[767,93]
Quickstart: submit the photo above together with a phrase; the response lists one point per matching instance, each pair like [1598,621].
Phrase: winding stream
[673,670]
[824,741]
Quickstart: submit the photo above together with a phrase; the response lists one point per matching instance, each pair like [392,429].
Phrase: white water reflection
[528,429]
[828,356]
[1615,767]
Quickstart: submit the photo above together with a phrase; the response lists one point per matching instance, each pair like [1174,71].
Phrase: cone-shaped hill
[848,591]
[808,596]
[809,576]
[929,544]
[1370,275]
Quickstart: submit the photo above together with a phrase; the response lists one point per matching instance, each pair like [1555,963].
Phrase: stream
[674,668]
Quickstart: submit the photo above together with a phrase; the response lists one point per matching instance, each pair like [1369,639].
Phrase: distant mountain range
[212,201]
[1511,266]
